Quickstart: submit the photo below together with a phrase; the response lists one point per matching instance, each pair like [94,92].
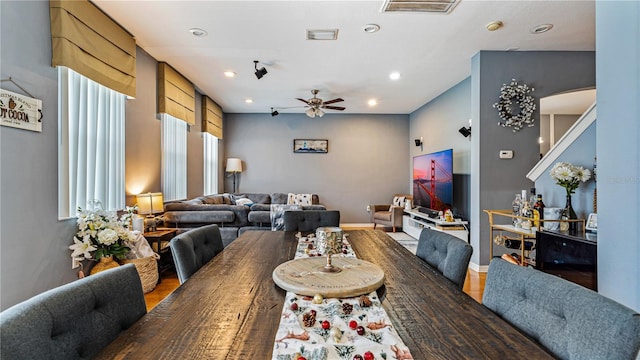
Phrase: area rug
[405,240]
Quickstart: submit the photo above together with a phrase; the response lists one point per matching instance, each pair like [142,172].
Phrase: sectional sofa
[233,213]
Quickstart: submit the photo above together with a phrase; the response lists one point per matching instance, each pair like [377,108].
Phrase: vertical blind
[210,163]
[92,144]
[174,158]
[176,94]
[86,40]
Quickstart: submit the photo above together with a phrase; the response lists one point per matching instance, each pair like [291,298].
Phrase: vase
[105,263]
[569,213]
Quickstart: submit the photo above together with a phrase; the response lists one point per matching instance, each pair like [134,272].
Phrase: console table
[571,256]
[414,221]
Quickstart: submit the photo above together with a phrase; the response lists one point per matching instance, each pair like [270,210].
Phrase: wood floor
[473,286]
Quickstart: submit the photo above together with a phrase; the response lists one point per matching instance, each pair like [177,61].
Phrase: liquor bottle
[515,205]
[539,205]
[526,212]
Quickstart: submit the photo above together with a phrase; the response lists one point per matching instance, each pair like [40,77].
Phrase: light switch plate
[506,154]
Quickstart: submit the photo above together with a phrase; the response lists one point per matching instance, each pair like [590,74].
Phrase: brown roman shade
[176,94]
[211,117]
[85,39]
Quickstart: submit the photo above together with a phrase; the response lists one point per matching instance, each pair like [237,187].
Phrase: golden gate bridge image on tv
[433,180]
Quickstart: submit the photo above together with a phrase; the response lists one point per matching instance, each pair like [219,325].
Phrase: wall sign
[20,111]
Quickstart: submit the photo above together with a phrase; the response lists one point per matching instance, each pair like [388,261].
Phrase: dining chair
[194,248]
[571,321]
[310,220]
[73,321]
[447,253]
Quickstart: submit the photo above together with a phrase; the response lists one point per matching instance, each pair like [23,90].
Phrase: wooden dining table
[231,308]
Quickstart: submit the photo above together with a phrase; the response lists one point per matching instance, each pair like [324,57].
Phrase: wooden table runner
[317,328]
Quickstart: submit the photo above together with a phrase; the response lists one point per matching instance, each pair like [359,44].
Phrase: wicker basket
[147,270]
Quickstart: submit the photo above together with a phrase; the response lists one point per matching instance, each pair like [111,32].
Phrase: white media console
[414,221]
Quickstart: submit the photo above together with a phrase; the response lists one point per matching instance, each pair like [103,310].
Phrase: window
[210,164]
[91,141]
[174,158]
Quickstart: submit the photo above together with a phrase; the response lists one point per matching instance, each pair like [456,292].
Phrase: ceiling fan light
[319,112]
[311,113]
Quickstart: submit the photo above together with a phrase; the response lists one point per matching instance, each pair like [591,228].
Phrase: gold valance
[85,39]
[211,117]
[176,94]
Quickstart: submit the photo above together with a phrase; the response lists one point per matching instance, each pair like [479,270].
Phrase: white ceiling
[431,51]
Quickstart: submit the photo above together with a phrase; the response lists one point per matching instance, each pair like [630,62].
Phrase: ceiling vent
[434,6]
[326,34]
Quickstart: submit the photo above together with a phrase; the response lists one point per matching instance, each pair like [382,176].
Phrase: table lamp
[234,166]
[150,203]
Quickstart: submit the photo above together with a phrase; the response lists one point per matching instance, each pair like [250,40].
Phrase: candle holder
[329,242]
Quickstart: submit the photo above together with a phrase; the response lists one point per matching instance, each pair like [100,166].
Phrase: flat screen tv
[433,180]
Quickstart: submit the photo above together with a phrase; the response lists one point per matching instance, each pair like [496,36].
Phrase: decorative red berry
[303,358]
[294,306]
[368,355]
[353,324]
[357,357]
[326,325]
[360,330]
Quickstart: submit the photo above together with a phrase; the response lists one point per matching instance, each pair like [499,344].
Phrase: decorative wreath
[525,102]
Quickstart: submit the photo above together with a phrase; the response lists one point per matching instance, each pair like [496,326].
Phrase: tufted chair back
[447,253]
[194,248]
[310,220]
[571,321]
[73,321]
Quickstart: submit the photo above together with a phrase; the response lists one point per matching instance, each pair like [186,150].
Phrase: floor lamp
[234,166]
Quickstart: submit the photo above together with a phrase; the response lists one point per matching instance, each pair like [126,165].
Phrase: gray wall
[618,131]
[367,162]
[581,153]
[34,254]
[437,122]
[494,182]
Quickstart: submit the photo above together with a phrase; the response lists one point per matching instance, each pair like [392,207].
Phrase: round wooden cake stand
[305,277]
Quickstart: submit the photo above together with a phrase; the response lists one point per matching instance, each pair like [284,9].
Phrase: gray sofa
[228,212]
[571,321]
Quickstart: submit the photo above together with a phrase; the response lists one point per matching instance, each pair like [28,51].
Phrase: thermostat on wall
[506,154]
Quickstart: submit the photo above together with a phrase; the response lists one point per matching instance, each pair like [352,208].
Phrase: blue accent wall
[618,149]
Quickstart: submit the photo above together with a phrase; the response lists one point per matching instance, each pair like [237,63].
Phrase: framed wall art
[311,146]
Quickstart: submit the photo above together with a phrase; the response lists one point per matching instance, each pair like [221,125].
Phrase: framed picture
[311,146]
[592,222]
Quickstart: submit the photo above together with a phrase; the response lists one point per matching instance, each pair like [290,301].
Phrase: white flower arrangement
[101,233]
[526,103]
[569,176]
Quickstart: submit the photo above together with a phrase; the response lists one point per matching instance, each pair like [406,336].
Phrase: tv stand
[414,221]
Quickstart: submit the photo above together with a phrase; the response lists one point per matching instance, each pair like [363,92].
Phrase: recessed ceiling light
[229,74]
[494,25]
[394,75]
[539,29]
[371,28]
[372,102]
[248,101]
[198,32]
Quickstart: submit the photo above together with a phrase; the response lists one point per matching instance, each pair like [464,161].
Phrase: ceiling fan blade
[303,100]
[333,101]
[333,107]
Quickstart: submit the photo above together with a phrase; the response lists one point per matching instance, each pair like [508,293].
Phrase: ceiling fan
[315,104]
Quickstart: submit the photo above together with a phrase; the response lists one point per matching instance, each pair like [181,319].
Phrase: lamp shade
[150,203]
[234,165]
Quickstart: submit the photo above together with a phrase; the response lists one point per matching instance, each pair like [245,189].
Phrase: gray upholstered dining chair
[73,321]
[194,248]
[447,253]
[310,220]
[571,321]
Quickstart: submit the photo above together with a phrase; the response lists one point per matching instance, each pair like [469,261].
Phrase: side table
[159,241]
